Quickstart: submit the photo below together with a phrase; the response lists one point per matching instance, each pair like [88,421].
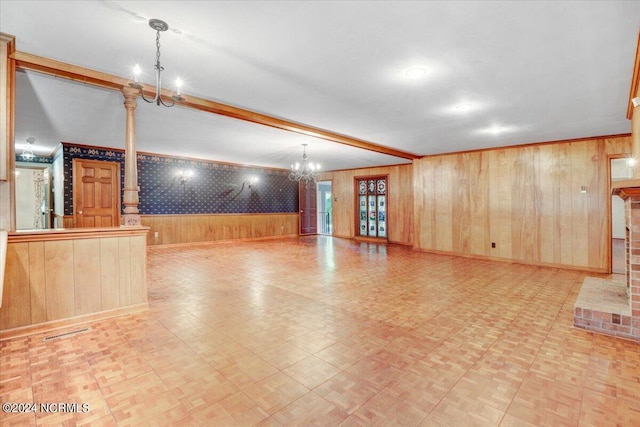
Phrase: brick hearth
[612,306]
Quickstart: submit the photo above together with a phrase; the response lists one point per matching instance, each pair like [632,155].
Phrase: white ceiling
[539,70]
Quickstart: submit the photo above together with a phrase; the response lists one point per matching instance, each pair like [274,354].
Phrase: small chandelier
[27,153]
[157,25]
[306,171]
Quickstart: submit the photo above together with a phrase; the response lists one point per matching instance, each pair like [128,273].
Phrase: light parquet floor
[327,332]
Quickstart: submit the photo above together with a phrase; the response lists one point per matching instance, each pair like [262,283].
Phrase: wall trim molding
[512,261]
[530,144]
[22,331]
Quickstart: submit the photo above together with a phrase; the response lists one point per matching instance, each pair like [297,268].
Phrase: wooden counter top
[74,233]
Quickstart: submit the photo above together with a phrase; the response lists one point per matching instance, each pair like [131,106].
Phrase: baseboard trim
[22,331]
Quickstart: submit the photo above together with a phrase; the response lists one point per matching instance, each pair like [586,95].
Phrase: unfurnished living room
[315,213]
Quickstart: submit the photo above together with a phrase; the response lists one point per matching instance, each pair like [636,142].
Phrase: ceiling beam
[635,80]
[27,61]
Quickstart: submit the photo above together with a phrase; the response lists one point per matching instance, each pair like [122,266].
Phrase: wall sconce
[583,189]
[249,183]
[184,176]
[253,180]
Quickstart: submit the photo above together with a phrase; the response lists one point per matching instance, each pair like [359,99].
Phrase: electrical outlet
[493,244]
[156,234]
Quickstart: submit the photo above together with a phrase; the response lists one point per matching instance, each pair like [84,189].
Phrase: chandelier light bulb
[178,86]
[136,73]
[307,171]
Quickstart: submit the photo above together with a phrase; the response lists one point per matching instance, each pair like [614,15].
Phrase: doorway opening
[325,211]
[33,198]
[620,170]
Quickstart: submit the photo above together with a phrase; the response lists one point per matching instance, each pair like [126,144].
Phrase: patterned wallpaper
[211,188]
[35,159]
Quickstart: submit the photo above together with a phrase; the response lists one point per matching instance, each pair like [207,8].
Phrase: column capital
[130,96]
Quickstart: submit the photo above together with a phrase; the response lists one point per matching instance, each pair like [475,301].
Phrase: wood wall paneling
[109,273]
[400,224]
[182,229]
[56,275]
[60,287]
[86,276]
[527,200]
[37,282]
[16,298]
[138,247]
[124,271]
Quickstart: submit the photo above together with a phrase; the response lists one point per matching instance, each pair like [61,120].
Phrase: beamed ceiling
[496,73]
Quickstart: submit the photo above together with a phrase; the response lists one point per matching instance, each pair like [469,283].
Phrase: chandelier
[157,25]
[306,171]
[27,153]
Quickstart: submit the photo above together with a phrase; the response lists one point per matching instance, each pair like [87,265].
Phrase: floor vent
[66,334]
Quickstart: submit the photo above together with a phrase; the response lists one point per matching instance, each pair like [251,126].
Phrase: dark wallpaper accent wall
[212,187]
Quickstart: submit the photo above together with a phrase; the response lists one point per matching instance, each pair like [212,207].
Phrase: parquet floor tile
[319,331]
[384,409]
[311,372]
[310,410]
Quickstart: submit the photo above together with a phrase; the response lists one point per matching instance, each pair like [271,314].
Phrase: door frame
[302,207]
[356,209]
[75,178]
[48,190]
[318,200]
[609,232]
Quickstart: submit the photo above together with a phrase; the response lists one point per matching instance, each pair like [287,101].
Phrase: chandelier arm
[161,101]
[150,101]
[159,26]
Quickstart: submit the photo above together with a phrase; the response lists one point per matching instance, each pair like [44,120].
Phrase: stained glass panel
[362,187]
[372,217]
[382,216]
[363,214]
[372,207]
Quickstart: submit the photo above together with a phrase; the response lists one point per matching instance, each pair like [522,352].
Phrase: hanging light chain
[158,26]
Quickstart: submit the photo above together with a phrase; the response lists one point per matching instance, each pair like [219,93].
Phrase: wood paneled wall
[177,229]
[527,200]
[56,275]
[399,205]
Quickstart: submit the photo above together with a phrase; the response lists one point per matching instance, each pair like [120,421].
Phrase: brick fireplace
[612,306]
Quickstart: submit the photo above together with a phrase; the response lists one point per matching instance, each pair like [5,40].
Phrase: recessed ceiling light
[415,72]
[463,107]
[496,130]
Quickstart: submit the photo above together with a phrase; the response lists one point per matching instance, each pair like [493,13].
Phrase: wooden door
[308,209]
[96,193]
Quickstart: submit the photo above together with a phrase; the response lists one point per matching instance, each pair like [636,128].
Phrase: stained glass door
[372,206]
